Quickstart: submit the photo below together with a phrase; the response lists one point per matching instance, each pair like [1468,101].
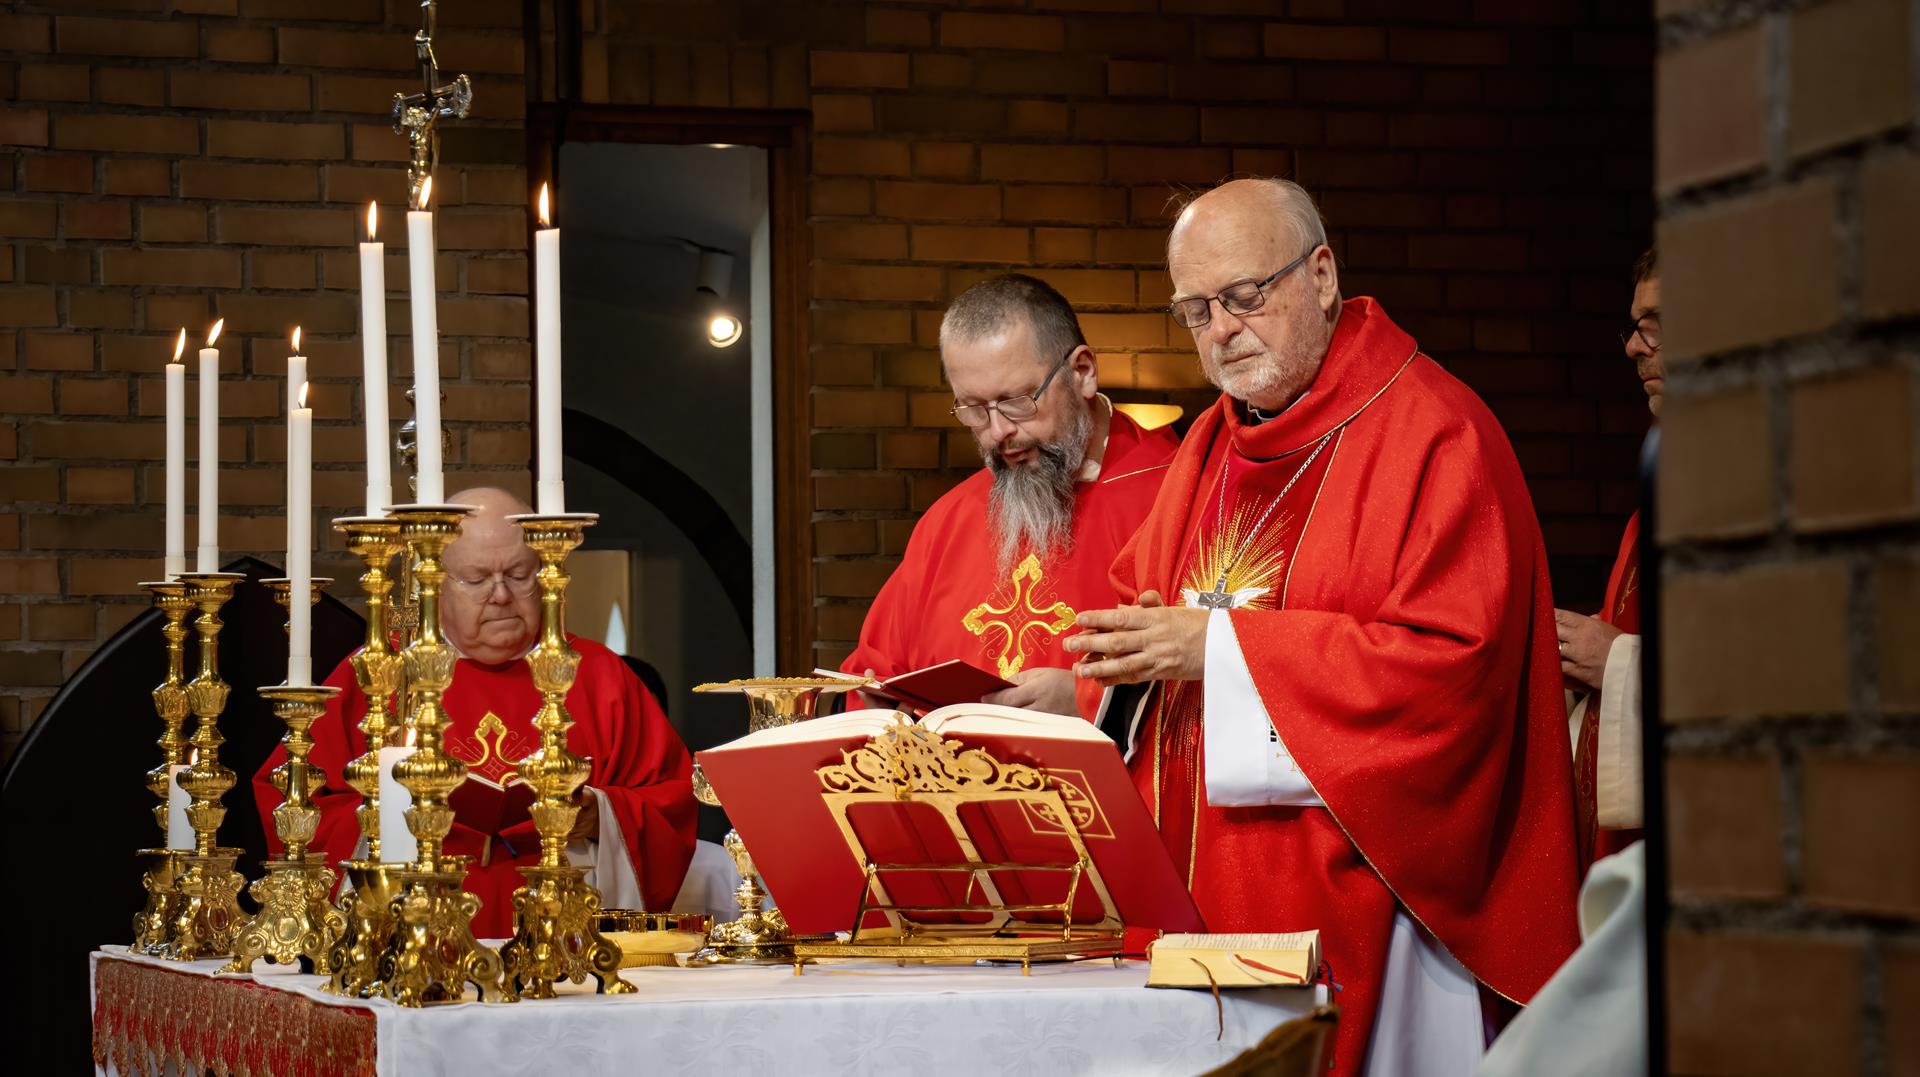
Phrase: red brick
[942,243]
[184,268]
[126,37]
[138,177]
[1302,41]
[300,47]
[831,197]
[969,30]
[173,224]
[59,621]
[479,229]
[275,140]
[1850,73]
[1889,228]
[838,538]
[27,33]
[287,227]
[236,91]
[1852,453]
[876,70]
[937,201]
[896,283]
[54,82]
[1137,123]
[27,395]
[497,276]
[860,241]
[21,306]
[29,576]
[1851,863]
[30,219]
[58,265]
[859,492]
[1722,283]
[1897,634]
[856,407]
[129,86]
[1054,163]
[1723,988]
[1074,205]
[842,112]
[269,270]
[99,309]
[1119,332]
[938,71]
[861,325]
[1723,818]
[1143,164]
[237,44]
[1766,640]
[59,351]
[91,396]
[108,576]
[100,485]
[910,28]
[127,134]
[1062,244]
[1711,119]
[1037,118]
[66,173]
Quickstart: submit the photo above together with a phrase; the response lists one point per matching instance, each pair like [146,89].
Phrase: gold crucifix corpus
[415,115]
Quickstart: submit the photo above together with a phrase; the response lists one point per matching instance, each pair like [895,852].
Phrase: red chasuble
[1622,611]
[1395,615]
[638,761]
[947,600]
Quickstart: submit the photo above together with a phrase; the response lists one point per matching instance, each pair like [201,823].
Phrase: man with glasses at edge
[997,567]
[1333,668]
[635,830]
[1600,655]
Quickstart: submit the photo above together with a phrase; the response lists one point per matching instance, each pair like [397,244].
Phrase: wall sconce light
[716,282]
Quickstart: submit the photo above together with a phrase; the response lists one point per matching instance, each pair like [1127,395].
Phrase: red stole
[1621,610]
[949,600]
[1412,673]
[637,760]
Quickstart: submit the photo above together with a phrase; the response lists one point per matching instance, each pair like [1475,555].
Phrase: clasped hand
[1148,642]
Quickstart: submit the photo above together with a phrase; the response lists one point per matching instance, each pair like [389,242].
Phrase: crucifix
[415,115]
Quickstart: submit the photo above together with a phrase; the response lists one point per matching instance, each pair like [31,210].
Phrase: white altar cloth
[838,1018]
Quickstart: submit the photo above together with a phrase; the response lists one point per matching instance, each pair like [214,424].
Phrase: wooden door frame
[783,134]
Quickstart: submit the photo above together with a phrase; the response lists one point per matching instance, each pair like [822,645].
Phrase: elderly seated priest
[997,567]
[636,827]
[1334,665]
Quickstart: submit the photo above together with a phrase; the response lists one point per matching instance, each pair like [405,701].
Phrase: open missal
[949,825]
[932,687]
[493,808]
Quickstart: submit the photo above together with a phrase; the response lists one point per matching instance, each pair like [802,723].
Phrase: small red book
[933,687]
[490,807]
[768,783]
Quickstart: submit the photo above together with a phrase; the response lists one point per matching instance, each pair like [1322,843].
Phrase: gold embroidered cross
[1054,619]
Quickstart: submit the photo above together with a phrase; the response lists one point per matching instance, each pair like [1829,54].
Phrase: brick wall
[1790,515]
[168,162]
[1484,164]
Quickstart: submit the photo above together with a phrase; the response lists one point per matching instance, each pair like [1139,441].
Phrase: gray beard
[1031,508]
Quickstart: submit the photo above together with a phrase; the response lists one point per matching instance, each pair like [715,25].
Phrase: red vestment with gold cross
[637,760]
[948,599]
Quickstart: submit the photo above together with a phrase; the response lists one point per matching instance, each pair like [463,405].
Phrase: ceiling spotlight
[723,330]
[716,281]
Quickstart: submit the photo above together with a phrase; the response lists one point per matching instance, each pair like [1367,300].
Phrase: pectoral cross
[414,115]
[1220,598]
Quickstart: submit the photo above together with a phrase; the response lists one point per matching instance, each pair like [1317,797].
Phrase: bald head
[489,609]
[1244,232]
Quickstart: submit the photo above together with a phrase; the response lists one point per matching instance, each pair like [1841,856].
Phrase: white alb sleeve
[1247,764]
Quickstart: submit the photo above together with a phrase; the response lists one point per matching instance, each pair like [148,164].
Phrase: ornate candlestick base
[209,912]
[757,938]
[434,955]
[554,932]
[366,904]
[153,924]
[209,909]
[296,924]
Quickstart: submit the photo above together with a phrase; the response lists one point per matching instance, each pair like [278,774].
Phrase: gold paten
[295,924]
[209,912]
[910,763]
[153,923]
[758,938]
[554,937]
[652,938]
[432,953]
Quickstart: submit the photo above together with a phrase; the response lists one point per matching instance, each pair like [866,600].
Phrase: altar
[153,1016]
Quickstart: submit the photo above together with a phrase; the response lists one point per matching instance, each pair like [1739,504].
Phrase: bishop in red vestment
[1600,654]
[636,829]
[999,566]
[1334,667]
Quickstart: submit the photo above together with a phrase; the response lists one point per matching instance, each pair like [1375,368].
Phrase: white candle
[179,831]
[300,544]
[396,841]
[208,508]
[176,541]
[373,364]
[551,490]
[426,352]
[296,384]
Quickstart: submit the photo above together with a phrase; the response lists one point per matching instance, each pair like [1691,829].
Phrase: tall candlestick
[426,352]
[551,489]
[300,544]
[296,385]
[208,508]
[176,539]
[373,364]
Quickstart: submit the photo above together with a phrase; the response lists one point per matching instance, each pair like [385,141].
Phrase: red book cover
[490,808]
[768,786]
[935,686]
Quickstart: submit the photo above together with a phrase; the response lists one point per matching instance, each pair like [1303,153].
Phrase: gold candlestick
[281,587]
[366,901]
[433,954]
[554,914]
[209,912]
[295,923]
[151,926]
[757,938]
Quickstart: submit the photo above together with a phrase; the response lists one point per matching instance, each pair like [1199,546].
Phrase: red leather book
[491,808]
[933,687]
[768,785]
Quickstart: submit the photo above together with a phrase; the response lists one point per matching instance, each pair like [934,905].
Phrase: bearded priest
[997,568]
[635,831]
[1334,667]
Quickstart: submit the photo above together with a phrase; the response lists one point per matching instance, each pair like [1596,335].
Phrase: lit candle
[396,841]
[300,543]
[373,363]
[551,490]
[208,508]
[296,384]
[426,352]
[176,562]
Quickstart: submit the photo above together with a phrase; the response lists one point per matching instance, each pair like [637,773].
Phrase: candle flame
[296,340]
[214,333]
[373,220]
[180,345]
[305,387]
[546,219]
[426,191]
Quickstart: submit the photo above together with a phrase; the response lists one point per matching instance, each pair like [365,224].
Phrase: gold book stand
[910,764]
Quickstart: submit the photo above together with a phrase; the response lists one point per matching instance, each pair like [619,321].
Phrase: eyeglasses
[1648,328]
[520,583]
[1243,298]
[1014,408]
